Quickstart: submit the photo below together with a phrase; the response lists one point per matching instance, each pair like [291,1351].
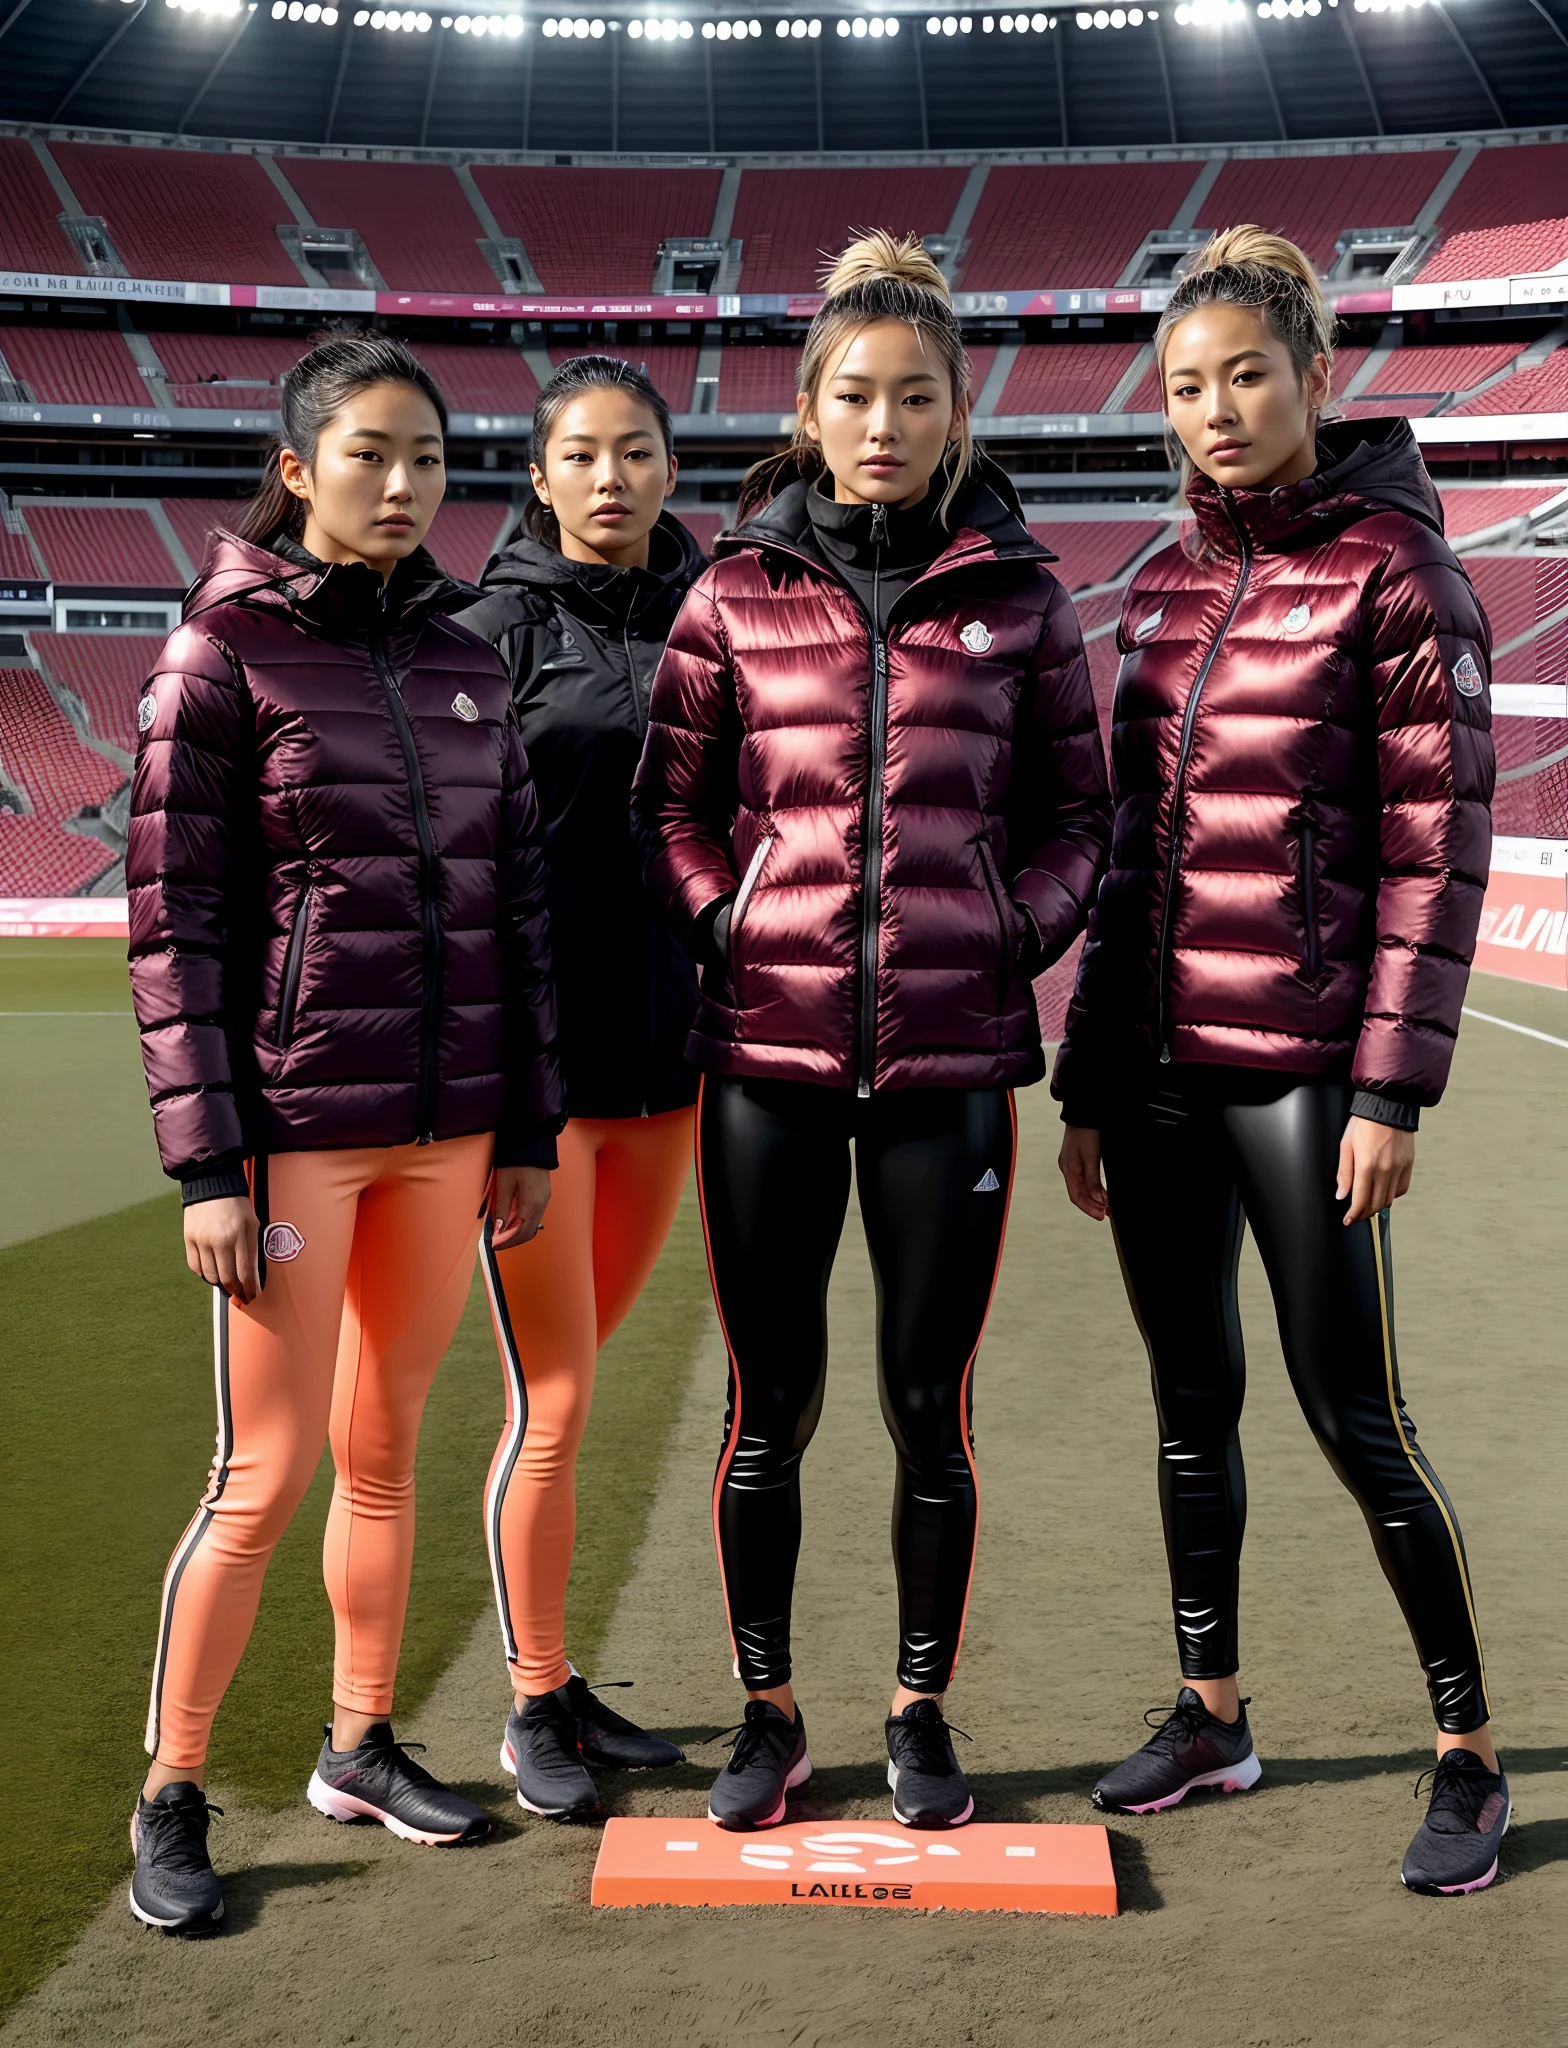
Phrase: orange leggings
[556,1301]
[370,1254]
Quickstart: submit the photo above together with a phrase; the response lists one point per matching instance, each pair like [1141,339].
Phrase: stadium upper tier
[249,217]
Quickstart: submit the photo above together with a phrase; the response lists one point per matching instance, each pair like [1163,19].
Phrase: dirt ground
[1257,1922]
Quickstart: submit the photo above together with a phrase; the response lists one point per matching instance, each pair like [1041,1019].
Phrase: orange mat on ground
[986,1868]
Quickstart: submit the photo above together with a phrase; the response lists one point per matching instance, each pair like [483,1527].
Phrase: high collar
[1364,466]
[853,537]
[598,592]
[344,597]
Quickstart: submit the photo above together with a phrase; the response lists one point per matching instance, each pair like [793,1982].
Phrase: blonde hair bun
[1249,247]
[875,256]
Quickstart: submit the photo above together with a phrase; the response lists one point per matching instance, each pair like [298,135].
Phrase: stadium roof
[709,77]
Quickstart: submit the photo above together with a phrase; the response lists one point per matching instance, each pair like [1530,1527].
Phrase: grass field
[106,1430]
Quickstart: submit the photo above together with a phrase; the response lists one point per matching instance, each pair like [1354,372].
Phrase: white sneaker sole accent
[173,1926]
[343,1806]
[798,1776]
[509,1765]
[903,1818]
[1454,1891]
[1237,1777]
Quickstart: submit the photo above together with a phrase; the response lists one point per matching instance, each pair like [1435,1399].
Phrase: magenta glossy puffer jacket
[338,936]
[907,825]
[1302,765]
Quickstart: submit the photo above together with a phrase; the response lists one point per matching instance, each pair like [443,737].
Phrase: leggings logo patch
[282,1242]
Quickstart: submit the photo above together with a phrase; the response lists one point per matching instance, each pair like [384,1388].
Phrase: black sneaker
[928,1787]
[1190,1749]
[175,1887]
[541,1750]
[609,1742]
[380,1781]
[1455,1847]
[767,1760]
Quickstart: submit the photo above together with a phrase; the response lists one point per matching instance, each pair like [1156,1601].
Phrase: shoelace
[1455,1791]
[745,1739]
[927,1730]
[176,1847]
[1184,1719]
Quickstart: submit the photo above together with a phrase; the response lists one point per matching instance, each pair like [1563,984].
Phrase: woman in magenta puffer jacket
[873,800]
[339,965]
[1272,984]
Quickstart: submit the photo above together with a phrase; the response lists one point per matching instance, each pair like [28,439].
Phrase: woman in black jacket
[579,603]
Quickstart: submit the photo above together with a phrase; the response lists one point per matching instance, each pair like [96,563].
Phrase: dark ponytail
[337,368]
[575,376]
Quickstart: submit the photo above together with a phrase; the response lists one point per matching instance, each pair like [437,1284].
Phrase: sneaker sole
[906,1820]
[344,1807]
[185,1924]
[563,1813]
[735,1825]
[1233,1778]
[1455,1891]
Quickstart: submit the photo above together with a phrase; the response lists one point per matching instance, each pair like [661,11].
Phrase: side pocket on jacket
[293,962]
[748,883]
[1006,926]
[1307,872]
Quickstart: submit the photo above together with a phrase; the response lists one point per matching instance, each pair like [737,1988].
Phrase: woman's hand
[519,1197]
[1375,1165]
[220,1245]
[1079,1160]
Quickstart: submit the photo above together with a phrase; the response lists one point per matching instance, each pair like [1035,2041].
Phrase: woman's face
[374,483]
[606,476]
[884,415]
[1238,406]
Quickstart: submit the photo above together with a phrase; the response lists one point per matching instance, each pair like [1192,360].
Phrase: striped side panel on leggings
[512,1444]
[185,1549]
[732,1439]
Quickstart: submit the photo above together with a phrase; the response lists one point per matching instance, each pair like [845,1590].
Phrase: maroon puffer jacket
[882,812]
[336,889]
[1302,714]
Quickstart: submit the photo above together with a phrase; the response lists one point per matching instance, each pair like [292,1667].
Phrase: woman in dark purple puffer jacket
[339,966]
[1272,985]
[873,801]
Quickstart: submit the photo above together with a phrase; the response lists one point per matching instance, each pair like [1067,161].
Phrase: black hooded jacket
[581,642]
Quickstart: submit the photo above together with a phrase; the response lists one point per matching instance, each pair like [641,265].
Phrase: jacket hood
[346,596]
[598,590]
[1364,466]
[987,511]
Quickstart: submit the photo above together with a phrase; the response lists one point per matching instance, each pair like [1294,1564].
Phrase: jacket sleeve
[686,791]
[1058,806]
[1429,656]
[535,1108]
[193,725]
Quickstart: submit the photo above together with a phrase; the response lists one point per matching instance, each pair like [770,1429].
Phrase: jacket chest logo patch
[282,1242]
[465,707]
[976,636]
[1149,625]
[1467,676]
[1296,618]
[146,713]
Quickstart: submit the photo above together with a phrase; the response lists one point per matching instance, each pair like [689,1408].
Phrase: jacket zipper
[293,962]
[1179,791]
[1312,959]
[639,710]
[871,888]
[430,981]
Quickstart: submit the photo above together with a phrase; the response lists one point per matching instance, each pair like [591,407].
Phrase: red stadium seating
[672,368]
[1314,199]
[1073,376]
[31,237]
[704,527]
[194,518]
[1066,224]
[414,219]
[106,670]
[1439,370]
[1500,252]
[250,368]
[73,366]
[43,757]
[182,214]
[1506,183]
[102,547]
[478,378]
[758,379]
[596,230]
[1543,389]
[1094,551]
[1468,511]
[17,557]
[466,533]
[39,858]
[788,221]
[1053,991]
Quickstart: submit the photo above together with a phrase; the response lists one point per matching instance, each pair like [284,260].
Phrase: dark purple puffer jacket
[338,935]
[1302,764]
[905,822]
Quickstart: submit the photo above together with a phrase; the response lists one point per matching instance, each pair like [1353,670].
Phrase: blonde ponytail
[1247,266]
[878,277]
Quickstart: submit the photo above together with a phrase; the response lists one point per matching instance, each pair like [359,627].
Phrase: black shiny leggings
[934,1169]
[1184,1172]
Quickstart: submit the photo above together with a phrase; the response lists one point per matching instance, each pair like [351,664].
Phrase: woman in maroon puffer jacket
[339,967]
[1272,984]
[873,799]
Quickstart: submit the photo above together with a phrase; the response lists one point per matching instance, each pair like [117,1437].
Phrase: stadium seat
[18,558]
[31,237]
[106,671]
[41,756]
[193,519]
[102,547]
[789,222]
[758,379]
[1315,199]
[1471,511]
[1502,188]
[1067,224]
[74,366]
[1543,389]
[474,377]
[1072,376]
[467,532]
[414,219]
[1093,551]
[596,230]
[219,370]
[175,213]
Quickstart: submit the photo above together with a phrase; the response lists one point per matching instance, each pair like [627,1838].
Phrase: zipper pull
[1165,1055]
[863,1090]
[878,524]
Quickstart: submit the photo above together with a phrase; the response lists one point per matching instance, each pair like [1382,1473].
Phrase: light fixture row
[292,10]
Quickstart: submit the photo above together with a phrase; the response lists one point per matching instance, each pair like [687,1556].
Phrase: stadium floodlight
[210,7]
